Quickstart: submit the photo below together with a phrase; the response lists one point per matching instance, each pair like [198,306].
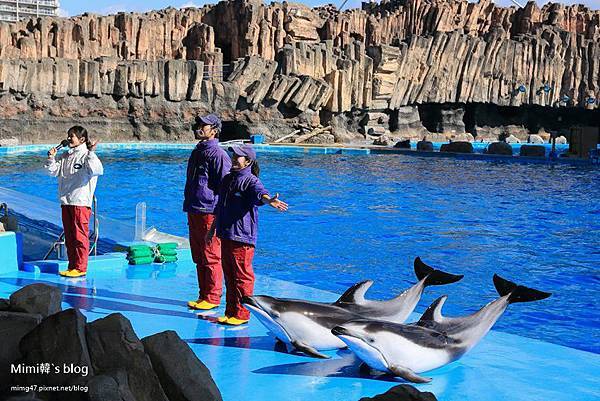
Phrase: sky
[76,7]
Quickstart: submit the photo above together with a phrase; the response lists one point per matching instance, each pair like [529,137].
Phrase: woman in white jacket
[77,171]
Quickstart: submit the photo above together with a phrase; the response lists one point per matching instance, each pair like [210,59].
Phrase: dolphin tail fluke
[433,276]
[308,350]
[407,374]
[517,293]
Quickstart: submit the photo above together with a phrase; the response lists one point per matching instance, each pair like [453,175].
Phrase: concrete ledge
[11,251]
[108,261]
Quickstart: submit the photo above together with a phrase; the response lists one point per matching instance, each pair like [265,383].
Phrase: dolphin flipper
[308,350]
[407,374]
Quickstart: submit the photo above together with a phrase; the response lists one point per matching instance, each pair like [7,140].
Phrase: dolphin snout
[250,301]
[340,331]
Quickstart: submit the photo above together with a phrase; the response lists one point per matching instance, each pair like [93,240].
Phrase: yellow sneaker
[202,305]
[222,319]
[192,304]
[64,273]
[74,273]
[234,321]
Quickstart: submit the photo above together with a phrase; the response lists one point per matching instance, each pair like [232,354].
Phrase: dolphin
[407,349]
[306,325]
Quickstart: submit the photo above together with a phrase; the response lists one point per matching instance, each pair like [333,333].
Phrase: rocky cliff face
[410,66]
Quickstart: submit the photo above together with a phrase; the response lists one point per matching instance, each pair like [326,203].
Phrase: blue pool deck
[247,366]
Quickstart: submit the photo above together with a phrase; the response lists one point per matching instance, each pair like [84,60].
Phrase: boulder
[464,137]
[452,120]
[13,327]
[435,137]
[58,340]
[408,122]
[535,139]
[532,151]
[375,131]
[103,388]
[457,147]
[499,148]
[182,375]
[384,140]
[113,345]
[4,304]
[402,392]
[512,139]
[425,146]
[42,299]
[561,140]
[403,144]
[9,141]
[111,386]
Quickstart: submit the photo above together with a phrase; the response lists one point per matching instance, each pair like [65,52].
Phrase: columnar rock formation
[274,68]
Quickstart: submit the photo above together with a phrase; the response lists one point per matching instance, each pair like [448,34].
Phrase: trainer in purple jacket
[207,166]
[236,224]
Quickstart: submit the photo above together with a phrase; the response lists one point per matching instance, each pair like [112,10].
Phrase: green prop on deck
[138,247]
[141,261]
[167,246]
[168,252]
[165,259]
[140,252]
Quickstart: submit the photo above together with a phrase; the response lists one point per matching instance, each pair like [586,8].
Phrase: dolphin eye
[371,340]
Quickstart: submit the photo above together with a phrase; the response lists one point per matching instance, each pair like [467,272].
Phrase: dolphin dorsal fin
[356,293]
[434,312]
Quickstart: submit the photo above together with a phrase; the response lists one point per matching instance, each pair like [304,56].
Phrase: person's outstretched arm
[274,202]
[261,196]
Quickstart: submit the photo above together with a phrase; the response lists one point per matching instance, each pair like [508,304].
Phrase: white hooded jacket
[77,171]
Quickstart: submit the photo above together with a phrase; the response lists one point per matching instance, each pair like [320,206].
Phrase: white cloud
[115,8]
[189,4]
[62,12]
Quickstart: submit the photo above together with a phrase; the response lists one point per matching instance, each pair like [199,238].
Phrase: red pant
[239,276]
[207,257]
[76,223]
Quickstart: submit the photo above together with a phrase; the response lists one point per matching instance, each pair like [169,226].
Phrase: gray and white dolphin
[407,349]
[306,325]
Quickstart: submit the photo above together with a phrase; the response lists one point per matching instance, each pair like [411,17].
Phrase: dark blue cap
[244,150]
[212,120]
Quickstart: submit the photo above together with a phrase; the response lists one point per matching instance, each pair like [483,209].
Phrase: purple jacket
[207,166]
[237,211]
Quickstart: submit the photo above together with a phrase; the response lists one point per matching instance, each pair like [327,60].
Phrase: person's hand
[94,144]
[278,204]
[52,152]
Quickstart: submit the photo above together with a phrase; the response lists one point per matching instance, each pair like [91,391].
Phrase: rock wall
[274,68]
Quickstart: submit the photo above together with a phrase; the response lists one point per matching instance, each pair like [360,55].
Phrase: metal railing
[11,18]
[43,3]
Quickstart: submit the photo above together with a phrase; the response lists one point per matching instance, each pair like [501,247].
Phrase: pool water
[367,216]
